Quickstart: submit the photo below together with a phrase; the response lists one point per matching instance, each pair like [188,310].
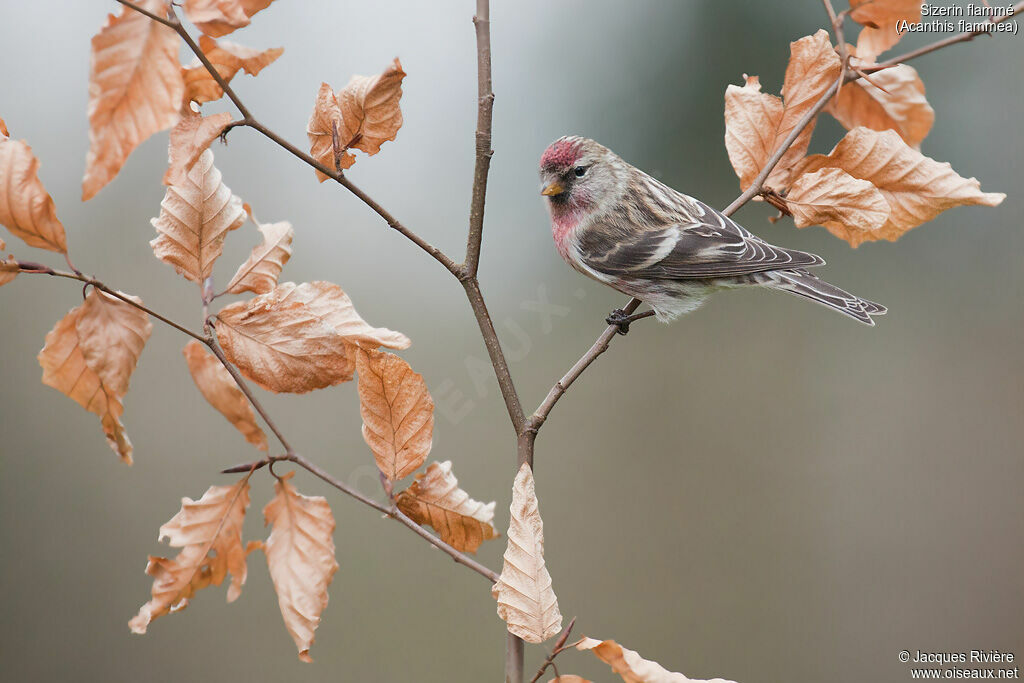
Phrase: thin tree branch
[485,108]
[388,511]
[342,180]
[40,269]
[559,647]
[244,387]
[497,356]
[562,385]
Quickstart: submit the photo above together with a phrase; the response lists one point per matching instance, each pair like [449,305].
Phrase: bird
[617,225]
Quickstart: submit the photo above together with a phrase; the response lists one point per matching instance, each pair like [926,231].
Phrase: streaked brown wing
[710,246]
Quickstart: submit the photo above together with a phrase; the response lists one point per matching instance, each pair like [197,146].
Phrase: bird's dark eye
[579,171]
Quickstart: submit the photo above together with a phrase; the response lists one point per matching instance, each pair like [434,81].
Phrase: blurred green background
[763,491]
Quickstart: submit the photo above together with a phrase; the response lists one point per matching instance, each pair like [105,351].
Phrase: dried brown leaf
[228,59]
[633,668]
[525,598]
[89,356]
[849,208]
[435,499]
[325,118]
[260,271]
[336,309]
[216,17]
[209,533]
[874,41]
[282,342]
[893,99]
[757,123]
[397,410]
[880,12]
[195,217]
[366,113]
[916,187]
[9,268]
[189,139]
[251,7]
[26,208]
[220,390]
[135,90]
[880,19]
[300,555]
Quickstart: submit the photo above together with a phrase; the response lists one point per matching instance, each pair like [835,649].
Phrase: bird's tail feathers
[802,283]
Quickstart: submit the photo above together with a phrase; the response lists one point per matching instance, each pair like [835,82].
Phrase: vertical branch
[485,108]
[514,659]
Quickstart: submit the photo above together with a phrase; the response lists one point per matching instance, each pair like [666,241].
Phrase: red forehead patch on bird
[561,153]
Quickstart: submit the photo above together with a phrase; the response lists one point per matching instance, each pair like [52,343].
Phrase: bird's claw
[620,319]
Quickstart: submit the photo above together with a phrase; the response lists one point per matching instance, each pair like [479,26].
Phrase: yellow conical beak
[553,189]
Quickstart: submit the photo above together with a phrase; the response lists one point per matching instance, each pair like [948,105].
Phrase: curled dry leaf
[525,598]
[917,188]
[189,139]
[216,17]
[335,307]
[893,99]
[26,208]
[228,59]
[282,341]
[849,208]
[135,90]
[300,555]
[880,19]
[220,17]
[89,356]
[397,410]
[220,390]
[260,271]
[195,217]
[209,533]
[436,499]
[757,123]
[632,667]
[366,112]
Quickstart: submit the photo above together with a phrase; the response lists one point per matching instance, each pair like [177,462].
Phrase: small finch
[616,224]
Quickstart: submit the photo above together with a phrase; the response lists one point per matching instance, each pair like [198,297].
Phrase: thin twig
[244,387]
[39,269]
[497,356]
[555,651]
[485,108]
[391,511]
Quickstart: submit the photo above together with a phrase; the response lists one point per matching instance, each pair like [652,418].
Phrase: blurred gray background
[763,491]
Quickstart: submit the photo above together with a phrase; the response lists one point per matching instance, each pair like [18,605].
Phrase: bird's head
[577,174]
